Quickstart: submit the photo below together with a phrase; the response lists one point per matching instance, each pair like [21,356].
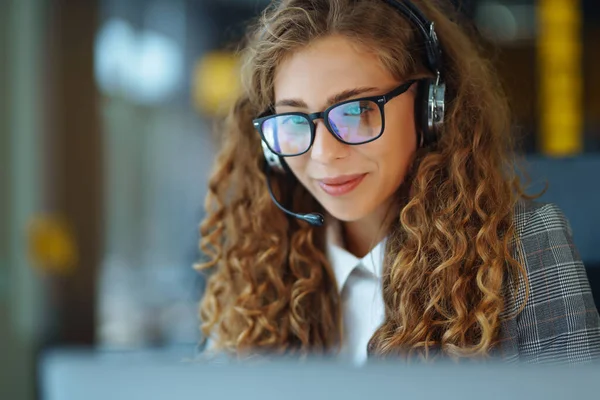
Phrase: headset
[429,104]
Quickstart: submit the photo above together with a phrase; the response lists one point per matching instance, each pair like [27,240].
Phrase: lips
[340,185]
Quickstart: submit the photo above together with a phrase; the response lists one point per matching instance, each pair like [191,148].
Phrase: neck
[361,236]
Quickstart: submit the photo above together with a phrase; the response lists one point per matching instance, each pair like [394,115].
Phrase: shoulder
[544,239]
[544,244]
[533,218]
[559,321]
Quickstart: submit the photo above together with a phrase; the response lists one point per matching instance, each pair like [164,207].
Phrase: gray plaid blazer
[559,323]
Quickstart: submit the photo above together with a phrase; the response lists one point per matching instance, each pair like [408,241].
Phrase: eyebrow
[345,95]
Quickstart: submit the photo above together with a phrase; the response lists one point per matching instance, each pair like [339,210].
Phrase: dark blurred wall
[77,179]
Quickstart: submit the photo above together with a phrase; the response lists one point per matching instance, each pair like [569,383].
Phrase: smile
[342,185]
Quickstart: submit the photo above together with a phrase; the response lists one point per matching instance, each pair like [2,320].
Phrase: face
[351,182]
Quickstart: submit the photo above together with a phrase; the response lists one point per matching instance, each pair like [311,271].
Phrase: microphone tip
[314,219]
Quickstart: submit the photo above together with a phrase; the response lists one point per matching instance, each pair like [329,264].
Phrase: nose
[326,148]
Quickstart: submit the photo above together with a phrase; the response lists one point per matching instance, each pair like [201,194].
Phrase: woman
[429,247]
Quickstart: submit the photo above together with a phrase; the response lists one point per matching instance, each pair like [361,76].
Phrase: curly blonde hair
[450,251]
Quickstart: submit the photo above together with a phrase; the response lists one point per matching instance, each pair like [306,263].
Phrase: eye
[356,109]
[295,120]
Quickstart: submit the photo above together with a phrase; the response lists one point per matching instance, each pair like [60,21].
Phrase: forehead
[327,67]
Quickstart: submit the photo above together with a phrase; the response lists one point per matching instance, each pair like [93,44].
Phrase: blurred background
[107,109]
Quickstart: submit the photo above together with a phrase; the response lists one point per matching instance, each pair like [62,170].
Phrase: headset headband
[426,28]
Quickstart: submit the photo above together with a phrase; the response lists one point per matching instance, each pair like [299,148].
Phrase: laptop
[82,375]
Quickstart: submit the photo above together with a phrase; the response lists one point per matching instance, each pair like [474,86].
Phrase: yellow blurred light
[52,245]
[216,82]
[560,89]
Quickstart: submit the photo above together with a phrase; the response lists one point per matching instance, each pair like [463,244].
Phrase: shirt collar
[343,262]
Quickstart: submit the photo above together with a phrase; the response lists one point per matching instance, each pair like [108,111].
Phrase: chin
[347,214]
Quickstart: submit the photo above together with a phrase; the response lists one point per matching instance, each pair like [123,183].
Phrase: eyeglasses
[352,122]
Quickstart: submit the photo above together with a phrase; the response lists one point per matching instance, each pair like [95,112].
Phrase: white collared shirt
[359,282]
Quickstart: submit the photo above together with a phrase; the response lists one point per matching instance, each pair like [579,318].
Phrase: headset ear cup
[430,109]
[275,162]
[421,119]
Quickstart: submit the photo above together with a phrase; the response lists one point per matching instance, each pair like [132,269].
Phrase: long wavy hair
[450,250]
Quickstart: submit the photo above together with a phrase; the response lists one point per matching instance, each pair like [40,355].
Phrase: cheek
[298,167]
[397,146]
[393,161]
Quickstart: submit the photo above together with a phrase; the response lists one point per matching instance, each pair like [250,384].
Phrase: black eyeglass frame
[381,101]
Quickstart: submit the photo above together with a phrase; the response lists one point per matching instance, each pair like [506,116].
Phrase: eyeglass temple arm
[399,90]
